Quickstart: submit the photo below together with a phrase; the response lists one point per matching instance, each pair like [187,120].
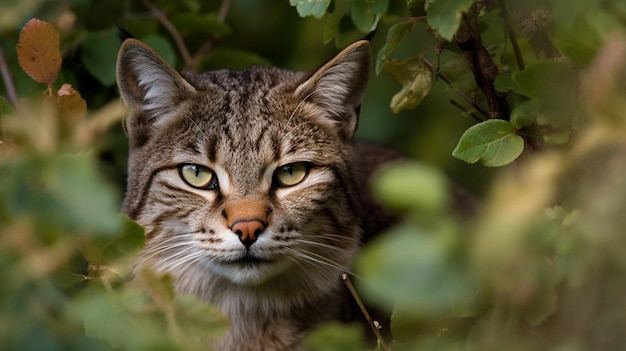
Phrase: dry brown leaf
[71,105]
[38,51]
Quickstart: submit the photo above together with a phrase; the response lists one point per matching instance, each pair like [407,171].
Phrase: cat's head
[246,176]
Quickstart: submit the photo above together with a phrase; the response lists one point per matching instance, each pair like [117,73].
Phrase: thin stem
[511,33]
[8,80]
[458,91]
[464,110]
[373,324]
[178,39]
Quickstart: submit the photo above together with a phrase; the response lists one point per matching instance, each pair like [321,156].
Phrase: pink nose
[248,231]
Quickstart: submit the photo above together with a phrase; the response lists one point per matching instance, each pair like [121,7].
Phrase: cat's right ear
[150,87]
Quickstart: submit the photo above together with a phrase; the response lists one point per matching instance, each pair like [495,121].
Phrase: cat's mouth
[248,259]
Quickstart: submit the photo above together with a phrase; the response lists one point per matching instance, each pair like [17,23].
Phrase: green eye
[291,174]
[198,176]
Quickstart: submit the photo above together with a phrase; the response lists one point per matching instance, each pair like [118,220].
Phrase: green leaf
[339,26]
[335,336]
[315,8]
[121,318]
[504,81]
[5,107]
[416,80]
[61,192]
[494,142]
[415,268]
[524,114]
[117,252]
[100,55]
[396,33]
[586,36]
[162,46]
[553,84]
[445,15]
[411,186]
[366,13]
[207,23]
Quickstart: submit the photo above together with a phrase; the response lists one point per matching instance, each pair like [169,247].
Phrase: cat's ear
[338,87]
[150,87]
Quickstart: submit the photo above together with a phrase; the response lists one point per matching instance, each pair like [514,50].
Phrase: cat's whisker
[317,258]
[334,237]
[189,260]
[319,244]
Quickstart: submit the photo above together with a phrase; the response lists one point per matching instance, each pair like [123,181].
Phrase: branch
[479,59]
[178,39]
[459,92]
[208,45]
[373,324]
[8,80]
[465,111]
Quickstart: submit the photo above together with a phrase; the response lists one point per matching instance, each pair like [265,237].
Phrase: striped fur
[243,125]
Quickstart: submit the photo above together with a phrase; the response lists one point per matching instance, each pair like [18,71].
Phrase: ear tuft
[338,87]
[150,87]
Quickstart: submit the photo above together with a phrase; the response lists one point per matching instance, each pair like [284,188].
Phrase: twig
[458,91]
[373,324]
[178,39]
[464,110]
[468,40]
[208,45]
[511,33]
[8,80]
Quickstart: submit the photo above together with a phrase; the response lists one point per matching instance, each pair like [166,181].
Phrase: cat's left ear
[338,87]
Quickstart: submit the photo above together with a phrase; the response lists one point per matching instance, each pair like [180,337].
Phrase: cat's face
[243,177]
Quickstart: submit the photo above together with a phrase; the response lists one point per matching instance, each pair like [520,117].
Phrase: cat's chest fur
[250,188]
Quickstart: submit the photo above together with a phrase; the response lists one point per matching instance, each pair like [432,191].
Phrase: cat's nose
[248,231]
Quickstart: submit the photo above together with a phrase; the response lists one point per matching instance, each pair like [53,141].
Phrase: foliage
[532,87]
[538,266]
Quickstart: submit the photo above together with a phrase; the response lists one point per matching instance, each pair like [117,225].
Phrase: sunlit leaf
[38,51]
[315,8]
[445,15]
[115,255]
[71,105]
[366,14]
[494,142]
[414,268]
[396,33]
[411,186]
[125,318]
[416,80]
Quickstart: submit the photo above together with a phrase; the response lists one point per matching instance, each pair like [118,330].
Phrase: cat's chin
[249,271]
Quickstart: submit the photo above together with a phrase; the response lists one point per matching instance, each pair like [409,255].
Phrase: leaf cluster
[66,252]
[538,265]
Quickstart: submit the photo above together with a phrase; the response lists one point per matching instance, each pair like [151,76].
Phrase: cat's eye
[291,174]
[198,176]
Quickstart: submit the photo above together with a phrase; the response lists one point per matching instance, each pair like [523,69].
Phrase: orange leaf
[70,103]
[38,51]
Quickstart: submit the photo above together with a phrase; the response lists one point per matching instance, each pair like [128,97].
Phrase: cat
[250,188]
